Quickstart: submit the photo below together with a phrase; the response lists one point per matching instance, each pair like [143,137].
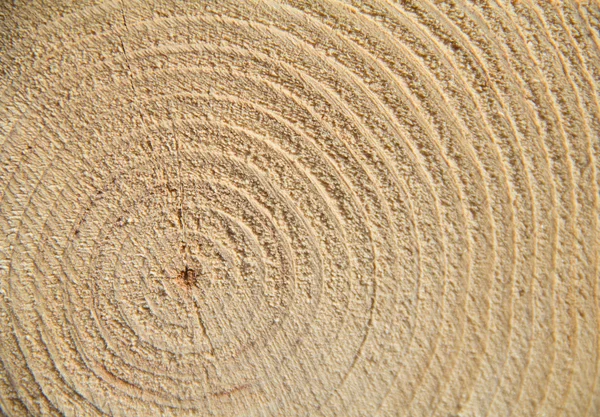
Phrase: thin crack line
[127,61]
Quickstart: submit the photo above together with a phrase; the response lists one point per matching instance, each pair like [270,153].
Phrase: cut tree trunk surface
[299,208]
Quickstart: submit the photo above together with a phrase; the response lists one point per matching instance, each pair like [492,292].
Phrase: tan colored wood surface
[299,208]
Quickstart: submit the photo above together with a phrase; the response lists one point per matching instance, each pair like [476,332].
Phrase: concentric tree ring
[283,208]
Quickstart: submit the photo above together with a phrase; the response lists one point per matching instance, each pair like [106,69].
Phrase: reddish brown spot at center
[187,278]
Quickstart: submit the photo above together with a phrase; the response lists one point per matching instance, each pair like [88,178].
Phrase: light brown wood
[299,208]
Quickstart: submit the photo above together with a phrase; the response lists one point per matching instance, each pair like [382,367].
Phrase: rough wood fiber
[299,208]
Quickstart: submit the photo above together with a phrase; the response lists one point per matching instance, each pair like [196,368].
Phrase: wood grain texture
[299,208]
